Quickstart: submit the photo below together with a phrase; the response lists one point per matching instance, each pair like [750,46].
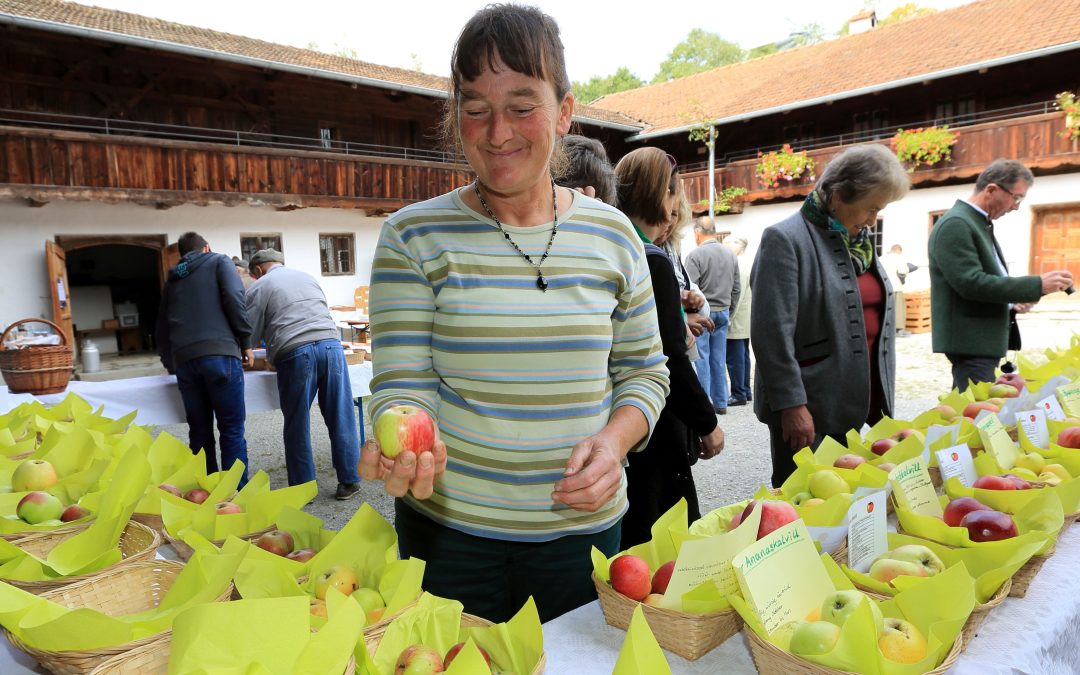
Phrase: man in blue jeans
[288,310]
[715,269]
[203,336]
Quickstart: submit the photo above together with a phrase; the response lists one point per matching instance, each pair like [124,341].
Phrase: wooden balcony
[1035,140]
[44,165]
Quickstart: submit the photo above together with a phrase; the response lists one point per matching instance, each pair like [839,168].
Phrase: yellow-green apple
[849,461]
[1032,461]
[197,495]
[227,508]
[73,513]
[901,641]
[338,577]
[1013,379]
[453,651]
[1017,481]
[838,606]
[654,600]
[33,475]
[404,427]
[989,525]
[781,637]
[886,466]
[317,607]
[801,498]
[972,410]
[812,502]
[813,638]
[662,577]
[1058,470]
[993,483]
[920,555]
[369,599]
[1069,437]
[278,542]
[418,660]
[1004,391]
[301,555]
[826,483]
[885,569]
[882,445]
[774,514]
[1026,474]
[1048,478]
[171,489]
[630,576]
[960,507]
[37,507]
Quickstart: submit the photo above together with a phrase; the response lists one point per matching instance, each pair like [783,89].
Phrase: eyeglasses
[1016,198]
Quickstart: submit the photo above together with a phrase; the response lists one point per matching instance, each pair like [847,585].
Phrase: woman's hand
[692,299]
[699,323]
[712,444]
[406,472]
[594,471]
[798,427]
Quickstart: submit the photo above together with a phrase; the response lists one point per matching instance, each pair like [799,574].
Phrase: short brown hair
[190,241]
[645,176]
[588,166]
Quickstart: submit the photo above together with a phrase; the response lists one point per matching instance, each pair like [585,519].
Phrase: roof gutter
[852,93]
[201,52]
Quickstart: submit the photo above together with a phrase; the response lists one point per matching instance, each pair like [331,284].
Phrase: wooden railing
[48,164]
[1036,141]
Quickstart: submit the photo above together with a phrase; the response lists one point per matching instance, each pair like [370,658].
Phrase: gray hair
[862,170]
[736,242]
[1005,173]
[704,225]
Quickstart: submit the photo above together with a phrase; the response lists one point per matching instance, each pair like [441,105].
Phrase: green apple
[38,507]
[369,599]
[781,637]
[813,638]
[826,483]
[839,606]
[33,475]
[902,642]
[801,498]
[920,555]
[1026,474]
[1032,461]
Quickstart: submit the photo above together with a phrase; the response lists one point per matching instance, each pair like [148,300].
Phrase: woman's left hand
[592,475]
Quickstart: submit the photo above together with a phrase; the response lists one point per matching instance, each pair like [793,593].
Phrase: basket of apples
[41,501]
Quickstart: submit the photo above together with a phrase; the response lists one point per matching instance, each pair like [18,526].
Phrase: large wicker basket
[37,369]
[691,636]
[770,659]
[137,542]
[135,588]
[153,659]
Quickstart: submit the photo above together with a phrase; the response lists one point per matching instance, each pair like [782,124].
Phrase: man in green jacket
[973,298]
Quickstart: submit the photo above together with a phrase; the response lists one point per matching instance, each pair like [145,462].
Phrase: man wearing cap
[288,311]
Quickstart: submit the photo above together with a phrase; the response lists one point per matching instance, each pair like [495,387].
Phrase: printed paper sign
[709,559]
[782,577]
[867,531]
[956,461]
[1033,422]
[913,489]
[936,431]
[1069,394]
[1052,408]
[996,440]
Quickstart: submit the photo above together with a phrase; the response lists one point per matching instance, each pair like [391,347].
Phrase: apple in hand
[339,577]
[1069,437]
[418,660]
[901,642]
[171,489]
[960,507]
[197,495]
[839,606]
[630,576]
[301,555]
[453,651]
[849,461]
[920,555]
[813,638]
[73,513]
[278,542]
[33,475]
[993,483]
[882,445]
[1013,380]
[404,427]
[226,508]
[662,578]
[827,483]
[37,507]
[989,526]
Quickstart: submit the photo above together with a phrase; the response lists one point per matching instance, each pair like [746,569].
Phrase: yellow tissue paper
[640,653]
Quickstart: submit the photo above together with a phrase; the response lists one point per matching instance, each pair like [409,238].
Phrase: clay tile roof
[133,25]
[919,48]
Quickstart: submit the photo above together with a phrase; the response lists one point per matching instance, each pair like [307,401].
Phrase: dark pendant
[541,282]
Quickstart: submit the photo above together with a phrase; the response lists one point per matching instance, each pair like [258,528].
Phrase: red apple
[173,490]
[662,577]
[849,461]
[989,525]
[1069,437]
[774,515]
[972,410]
[904,433]
[226,508]
[418,660]
[33,475]
[197,495]
[1018,482]
[336,576]
[453,651]
[882,445]
[277,542]
[74,512]
[1012,379]
[630,576]
[301,555]
[993,483]
[960,507]
[37,507]
[404,427]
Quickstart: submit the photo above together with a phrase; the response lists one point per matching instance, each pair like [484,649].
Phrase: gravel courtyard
[732,476]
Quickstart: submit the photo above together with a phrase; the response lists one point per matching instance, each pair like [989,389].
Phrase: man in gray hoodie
[288,310]
[204,337]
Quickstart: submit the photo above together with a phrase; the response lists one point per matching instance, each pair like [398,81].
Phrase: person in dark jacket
[204,337]
[658,476]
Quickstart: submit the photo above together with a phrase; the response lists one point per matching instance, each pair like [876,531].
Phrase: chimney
[862,22]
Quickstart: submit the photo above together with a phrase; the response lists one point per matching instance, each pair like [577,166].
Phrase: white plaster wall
[23,230]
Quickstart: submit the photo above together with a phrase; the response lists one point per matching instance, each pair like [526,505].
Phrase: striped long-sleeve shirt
[515,376]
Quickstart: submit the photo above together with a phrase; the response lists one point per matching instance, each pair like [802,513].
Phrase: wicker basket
[37,369]
[137,543]
[153,659]
[15,537]
[467,621]
[691,636]
[978,615]
[185,552]
[151,520]
[135,588]
[935,476]
[840,555]
[768,658]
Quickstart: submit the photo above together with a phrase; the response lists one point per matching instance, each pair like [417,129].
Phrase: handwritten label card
[782,577]
[956,461]
[996,440]
[1069,395]
[1052,408]
[913,489]
[867,531]
[1033,422]
[709,559]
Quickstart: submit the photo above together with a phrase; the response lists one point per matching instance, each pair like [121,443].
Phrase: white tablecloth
[158,400]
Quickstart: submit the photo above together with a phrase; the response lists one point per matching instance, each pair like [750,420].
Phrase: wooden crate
[917,305]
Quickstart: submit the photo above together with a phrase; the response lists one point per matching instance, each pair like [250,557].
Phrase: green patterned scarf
[861,249]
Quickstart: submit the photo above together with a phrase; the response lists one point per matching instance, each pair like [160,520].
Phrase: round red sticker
[870,507]
[955,457]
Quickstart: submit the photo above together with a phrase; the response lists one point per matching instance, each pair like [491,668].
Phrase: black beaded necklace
[541,282]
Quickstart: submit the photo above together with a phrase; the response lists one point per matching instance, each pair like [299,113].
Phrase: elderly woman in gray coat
[821,320]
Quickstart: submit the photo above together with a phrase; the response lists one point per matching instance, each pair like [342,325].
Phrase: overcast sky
[600,36]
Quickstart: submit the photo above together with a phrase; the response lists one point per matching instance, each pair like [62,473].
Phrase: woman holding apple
[519,315]
[821,315]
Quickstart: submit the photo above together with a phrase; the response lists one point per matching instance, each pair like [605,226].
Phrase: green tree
[597,86]
[905,12]
[700,51]
[808,34]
